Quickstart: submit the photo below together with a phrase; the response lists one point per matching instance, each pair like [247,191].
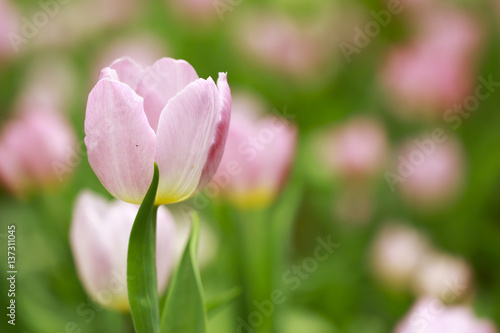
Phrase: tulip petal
[89,243]
[127,71]
[217,148]
[186,131]
[120,143]
[161,82]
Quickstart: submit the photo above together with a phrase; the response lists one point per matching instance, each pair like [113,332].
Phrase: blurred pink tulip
[257,158]
[99,237]
[357,149]
[396,254]
[137,116]
[437,69]
[431,316]
[435,175]
[9,23]
[443,277]
[33,147]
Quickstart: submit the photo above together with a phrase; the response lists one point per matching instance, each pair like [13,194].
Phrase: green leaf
[185,309]
[222,299]
[141,265]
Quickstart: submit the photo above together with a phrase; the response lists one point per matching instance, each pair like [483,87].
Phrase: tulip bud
[397,253]
[443,277]
[99,236]
[257,157]
[137,116]
[435,172]
[35,151]
[431,316]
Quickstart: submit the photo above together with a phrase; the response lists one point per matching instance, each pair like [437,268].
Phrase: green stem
[256,268]
[142,281]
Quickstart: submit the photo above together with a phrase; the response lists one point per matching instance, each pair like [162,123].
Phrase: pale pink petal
[128,71]
[186,131]
[161,82]
[217,148]
[90,244]
[120,143]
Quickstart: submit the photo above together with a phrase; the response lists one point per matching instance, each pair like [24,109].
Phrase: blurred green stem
[256,263]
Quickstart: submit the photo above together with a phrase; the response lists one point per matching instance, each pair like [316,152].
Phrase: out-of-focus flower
[436,70]
[32,147]
[144,48]
[9,24]
[99,237]
[355,150]
[165,114]
[282,44]
[434,174]
[257,158]
[431,316]
[443,277]
[397,253]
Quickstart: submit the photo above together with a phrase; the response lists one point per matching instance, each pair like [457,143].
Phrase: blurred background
[393,154]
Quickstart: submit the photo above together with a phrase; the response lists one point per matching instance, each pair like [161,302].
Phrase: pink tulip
[397,253]
[257,158]
[436,176]
[435,70]
[99,237]
[165,114]
[357,149]
[431,316]
[35,151]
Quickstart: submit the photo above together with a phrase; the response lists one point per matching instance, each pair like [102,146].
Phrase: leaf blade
[142,282]
[185,309]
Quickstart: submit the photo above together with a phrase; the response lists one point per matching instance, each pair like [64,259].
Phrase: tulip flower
[355,150]
[36,150]
[99,238]
[435,174]
[137,116]
[397,253]
[436,70]
[431,316]
[257,158]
